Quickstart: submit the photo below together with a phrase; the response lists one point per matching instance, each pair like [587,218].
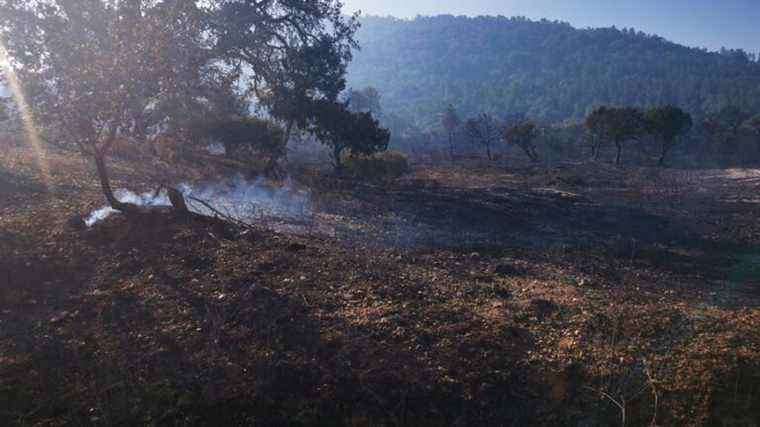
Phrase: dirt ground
[577,294]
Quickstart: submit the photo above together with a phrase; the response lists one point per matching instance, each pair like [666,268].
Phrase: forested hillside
[548,70]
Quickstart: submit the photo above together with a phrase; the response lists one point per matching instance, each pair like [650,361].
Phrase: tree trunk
[337,154]
[488,151]
[619,157]
[530,153]
[272,169]
[288,132]
[595,148]
[105,183]
[534,154]
[451,146]
[665,149]
[177,200]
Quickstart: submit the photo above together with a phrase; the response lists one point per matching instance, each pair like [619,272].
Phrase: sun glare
[32,134]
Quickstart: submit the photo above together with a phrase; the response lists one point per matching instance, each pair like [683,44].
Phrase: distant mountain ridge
[547,69]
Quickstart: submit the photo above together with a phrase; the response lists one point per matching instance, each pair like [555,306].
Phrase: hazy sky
[703,23]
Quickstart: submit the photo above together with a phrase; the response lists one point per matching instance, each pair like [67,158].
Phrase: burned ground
[465,296]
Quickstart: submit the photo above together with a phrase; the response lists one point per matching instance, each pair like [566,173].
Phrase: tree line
[730,136]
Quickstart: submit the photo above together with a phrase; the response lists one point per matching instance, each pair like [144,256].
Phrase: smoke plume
[243,200]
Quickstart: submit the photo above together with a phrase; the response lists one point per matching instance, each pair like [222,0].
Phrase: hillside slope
[547,69]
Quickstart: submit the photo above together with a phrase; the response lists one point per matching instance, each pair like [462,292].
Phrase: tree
[295,52]
[343,130]
[91,67]
[247,136]
[482,130]
[754,126]
[102,70]
[726,123]
[451,122]
[667,123]
[616,124]
[523,135]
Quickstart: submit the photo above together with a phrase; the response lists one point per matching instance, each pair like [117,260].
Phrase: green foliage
[548,70]
[343,130]
[387,165]
[667,124]
[523,134]
[249,135]
[615,124]
[296,52]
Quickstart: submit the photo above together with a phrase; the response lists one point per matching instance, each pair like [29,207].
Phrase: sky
[700,23]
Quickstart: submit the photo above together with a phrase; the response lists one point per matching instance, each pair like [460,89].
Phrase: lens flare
[27,119]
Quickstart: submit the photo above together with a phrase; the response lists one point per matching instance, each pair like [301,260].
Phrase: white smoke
[126,196]
[243,200]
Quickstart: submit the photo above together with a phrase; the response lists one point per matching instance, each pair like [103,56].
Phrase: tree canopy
[344,130]
[667,123]
[523,134]
[615,124]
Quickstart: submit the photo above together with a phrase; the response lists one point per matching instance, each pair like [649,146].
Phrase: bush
[386,165]
[248,136]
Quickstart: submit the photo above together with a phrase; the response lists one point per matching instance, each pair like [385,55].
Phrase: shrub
[386,165]
[248,138]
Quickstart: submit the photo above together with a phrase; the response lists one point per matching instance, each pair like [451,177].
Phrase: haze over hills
[547,69]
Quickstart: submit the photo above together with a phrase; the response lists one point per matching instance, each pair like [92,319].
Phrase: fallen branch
[219,214]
